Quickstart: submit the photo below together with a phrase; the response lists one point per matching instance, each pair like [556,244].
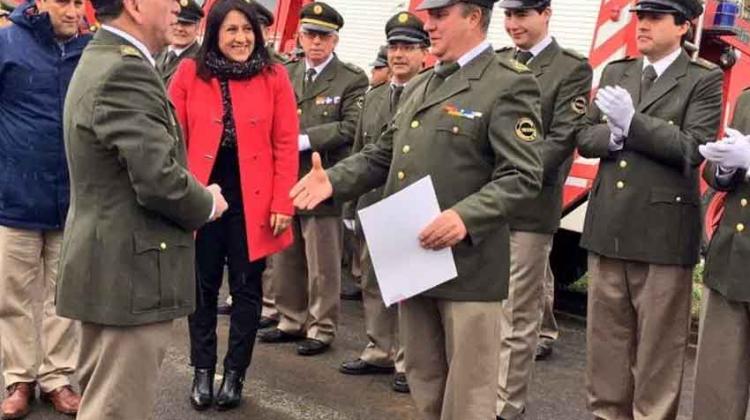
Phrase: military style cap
[265,16]
[320,17]
[524,4]
[382,59]
[437,4]
[190,12]
[406,27]
[690,9]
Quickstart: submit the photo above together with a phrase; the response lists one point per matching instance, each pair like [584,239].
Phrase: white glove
[304,142]
[730,134]
[616,137]
[617,104]
[350,224]
[729,154]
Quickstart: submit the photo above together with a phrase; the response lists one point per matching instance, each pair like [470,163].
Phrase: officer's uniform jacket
[729,250]
[127,253]
[328,113]
[565,81]
[475,137]
[644,205]
[376,114]
[167,69]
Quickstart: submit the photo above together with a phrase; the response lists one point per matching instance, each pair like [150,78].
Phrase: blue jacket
[35,70]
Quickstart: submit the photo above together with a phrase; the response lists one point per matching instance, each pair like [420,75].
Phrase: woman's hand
[280,223]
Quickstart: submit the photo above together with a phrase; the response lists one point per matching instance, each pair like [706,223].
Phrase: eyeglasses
[311,35]
[404,47]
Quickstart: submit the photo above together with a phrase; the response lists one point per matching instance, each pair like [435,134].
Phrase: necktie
[442,71]
[647,81]
[523,57]
[396,92]
[171,56]
[309,77]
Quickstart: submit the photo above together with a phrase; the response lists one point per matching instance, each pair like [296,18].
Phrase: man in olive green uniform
[407,49]
[307,276]
[565,81]
[643,225]
[127,256]
[471,124]
[184,40]
[722,379]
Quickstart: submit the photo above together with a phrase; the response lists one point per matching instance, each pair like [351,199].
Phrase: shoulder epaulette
[704,63]
[575,54]
[514,65]
[623,60]
[353,68]
[379,85]
[504,49]
[129,51]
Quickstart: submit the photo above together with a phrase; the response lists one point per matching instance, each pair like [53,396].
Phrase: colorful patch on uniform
[327,100]
[454,111]
[580,105]
[526,129]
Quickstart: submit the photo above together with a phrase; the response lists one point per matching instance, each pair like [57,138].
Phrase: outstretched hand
[313,188]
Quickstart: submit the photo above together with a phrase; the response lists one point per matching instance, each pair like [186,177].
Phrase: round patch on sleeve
[580,105]
[526,129]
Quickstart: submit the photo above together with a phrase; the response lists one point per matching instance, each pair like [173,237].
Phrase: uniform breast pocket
[162,270]
[458,128]
[674,217]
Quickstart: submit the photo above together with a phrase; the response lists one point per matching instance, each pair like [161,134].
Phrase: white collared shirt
[539,47]
[662,65]
[474,53]
[136,43]
[178,51]
[318,69]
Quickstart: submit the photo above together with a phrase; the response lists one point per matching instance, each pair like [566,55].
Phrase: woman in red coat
[239,116]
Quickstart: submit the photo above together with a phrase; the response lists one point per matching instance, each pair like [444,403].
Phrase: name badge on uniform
[454,111]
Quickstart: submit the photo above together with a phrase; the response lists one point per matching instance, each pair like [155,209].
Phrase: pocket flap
[673,197]
[154,241]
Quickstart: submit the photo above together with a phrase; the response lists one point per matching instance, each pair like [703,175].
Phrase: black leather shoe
[202,394]
[543,352]
[224,309]
[266,322]
[360,367]
[400,384]
[275,335]
[311,347]
[230,393]
[350,292]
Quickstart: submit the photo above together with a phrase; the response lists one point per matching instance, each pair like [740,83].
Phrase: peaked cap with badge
[190,12]
[524,4]
[437,4]
[320,17]
[406,27]
[690,9]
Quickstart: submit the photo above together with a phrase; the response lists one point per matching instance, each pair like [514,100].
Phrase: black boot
[202,394]
[230,393]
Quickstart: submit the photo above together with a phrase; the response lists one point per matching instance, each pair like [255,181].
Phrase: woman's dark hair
[211,39]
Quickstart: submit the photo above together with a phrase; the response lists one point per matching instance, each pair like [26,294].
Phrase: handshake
[731,153]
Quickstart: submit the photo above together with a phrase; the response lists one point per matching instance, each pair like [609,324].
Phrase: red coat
[265,115]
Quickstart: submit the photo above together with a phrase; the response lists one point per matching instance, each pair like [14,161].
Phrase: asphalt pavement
[284,386]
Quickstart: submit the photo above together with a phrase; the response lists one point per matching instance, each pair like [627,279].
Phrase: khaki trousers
[30,351]
[307,278]
[451,353]
[119,370]
[722,368]
[360,257]
[549,332]
[381,323]
[637,335]
[521,316]
[269,299]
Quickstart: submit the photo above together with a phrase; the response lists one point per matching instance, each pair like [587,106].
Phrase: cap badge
[403,18]
[318,9]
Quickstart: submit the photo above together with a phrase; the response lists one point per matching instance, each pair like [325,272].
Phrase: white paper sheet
[392,226]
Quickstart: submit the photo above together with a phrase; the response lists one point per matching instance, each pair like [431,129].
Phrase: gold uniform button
[401,175]
[299,111]
[743,202]
[163,246]
[678,199]
[740,227]
[623,164]
[671,122]
[455,130]
[620,185]
[325,113]
[415,124]
[406,149]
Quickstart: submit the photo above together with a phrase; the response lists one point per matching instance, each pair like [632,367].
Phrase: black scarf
[223,68]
